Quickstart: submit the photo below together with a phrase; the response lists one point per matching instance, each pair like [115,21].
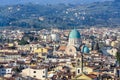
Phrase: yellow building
[88,70]
[10,44]
[41,50]
[113,43]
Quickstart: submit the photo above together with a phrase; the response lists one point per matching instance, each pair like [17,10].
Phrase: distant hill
[64,16]
[11,2]
[117,0]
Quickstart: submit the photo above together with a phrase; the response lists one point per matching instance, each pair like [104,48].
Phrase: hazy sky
[8,2]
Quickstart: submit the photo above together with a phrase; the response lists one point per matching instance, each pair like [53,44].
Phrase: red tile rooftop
[93,76]
[104,69]
[117,67]
[3,62]
[93,67]
[96,73]
[62,48]
[34,42]
[10,78]
[7,53]
[21,62]
[6,67]
[12,54]
[39,67]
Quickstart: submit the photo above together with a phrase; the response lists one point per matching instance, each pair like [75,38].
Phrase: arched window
[78,70]
[78,62]
[70,50]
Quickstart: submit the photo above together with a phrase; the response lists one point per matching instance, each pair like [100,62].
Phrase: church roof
[62,48]
[74,34]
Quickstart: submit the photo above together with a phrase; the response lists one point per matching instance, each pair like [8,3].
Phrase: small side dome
[85,49]
[74,34]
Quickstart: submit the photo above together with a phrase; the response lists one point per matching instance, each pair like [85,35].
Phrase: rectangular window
[78,71]
[34,72]
[43,76]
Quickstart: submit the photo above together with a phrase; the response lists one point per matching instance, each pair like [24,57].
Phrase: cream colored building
[88,70]
[37,73]
[112,51]
[24,47]
[29,47]
[10,56]
[8,51]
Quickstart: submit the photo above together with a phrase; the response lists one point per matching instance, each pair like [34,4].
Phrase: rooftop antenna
[82,57]
[74,27]
[51,30]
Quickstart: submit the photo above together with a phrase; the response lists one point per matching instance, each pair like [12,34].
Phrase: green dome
[74,34]
[85,49]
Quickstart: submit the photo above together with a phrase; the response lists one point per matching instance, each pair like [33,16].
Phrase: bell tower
[79,64]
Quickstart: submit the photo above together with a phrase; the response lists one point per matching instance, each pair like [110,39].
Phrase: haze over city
[59,40]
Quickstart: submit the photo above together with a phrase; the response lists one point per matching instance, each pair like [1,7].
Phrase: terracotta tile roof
[39,67]
[117,67]
[48,47]
[34,42]
[96,73]
[3,62]
[93,67]
[11,78]
[92,76]
[62,48]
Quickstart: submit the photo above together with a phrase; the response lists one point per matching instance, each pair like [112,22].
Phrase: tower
[79,65]
[95,46]
[74,42]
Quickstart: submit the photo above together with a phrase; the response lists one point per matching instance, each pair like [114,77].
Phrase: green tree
[23,42]
[118,57]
